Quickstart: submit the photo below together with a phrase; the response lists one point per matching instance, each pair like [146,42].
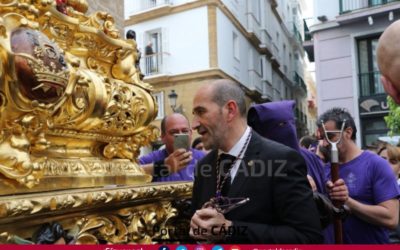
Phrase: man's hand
[338,191]
[178,160]
[206,224]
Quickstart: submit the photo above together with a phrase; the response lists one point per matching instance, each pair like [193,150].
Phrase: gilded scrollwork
[149,214]
[16,141]
[72,92]
[103,21]
[73,116]
[16,207]
[129,225]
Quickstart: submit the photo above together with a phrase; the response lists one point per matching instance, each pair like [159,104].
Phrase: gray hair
[225,90]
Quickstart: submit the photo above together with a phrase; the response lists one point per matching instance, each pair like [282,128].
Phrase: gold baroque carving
[97,109]
[146,223]
[86,199]
[128,225]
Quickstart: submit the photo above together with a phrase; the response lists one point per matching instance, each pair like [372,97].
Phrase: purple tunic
[370,180]
[185,174]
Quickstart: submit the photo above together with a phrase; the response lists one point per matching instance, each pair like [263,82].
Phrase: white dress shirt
[235,150]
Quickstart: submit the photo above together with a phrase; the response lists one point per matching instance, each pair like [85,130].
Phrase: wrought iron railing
[154,64]
[297,34]
[299,82]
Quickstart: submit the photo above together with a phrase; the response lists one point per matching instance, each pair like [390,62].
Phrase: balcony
[253,27]
[143,5]
[154,64]
[266,39]
[267,90]
[275,53]
[346,6]
[255,83]
[370,83]
[297,34]
[299,82]
[308,43]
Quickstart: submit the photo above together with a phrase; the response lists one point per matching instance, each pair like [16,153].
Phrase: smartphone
[181,141]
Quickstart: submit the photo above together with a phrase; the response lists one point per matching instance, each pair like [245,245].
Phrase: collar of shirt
[235,150]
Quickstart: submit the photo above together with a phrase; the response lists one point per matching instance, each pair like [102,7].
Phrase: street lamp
[172,99]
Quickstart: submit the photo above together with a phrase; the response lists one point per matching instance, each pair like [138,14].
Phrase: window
[372,128]
[159,98]
[153,52]
[236,52]
[368,72]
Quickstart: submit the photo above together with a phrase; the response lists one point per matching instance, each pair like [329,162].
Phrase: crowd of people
[255,182]
[265,192]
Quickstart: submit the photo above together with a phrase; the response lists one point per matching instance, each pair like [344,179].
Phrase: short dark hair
[163,121]
[225,90]
[131,35]
[338,115]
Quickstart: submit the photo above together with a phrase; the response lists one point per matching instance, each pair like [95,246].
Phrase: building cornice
[202,74]
[213,73]
[323,26]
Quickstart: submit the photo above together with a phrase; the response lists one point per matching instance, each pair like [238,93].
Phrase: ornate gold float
[73,116]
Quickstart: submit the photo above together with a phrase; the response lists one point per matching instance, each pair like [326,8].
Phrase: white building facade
[256,43]
[345,38]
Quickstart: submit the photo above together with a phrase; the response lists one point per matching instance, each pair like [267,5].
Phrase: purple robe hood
[275,121]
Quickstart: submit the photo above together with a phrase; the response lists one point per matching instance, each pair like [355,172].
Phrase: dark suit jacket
[281,208]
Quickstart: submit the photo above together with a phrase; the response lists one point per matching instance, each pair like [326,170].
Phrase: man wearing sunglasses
[373,191]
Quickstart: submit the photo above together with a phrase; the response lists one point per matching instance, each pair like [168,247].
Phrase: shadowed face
[208,119]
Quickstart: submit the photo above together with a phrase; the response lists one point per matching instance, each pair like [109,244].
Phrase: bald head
[173,117]
[388,55]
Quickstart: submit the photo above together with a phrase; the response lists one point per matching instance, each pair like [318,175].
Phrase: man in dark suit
[268,178]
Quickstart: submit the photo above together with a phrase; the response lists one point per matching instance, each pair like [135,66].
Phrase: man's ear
[348,132]
[390,89]
[232,109]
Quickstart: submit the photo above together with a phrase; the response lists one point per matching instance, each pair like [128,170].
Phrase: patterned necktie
[226,161]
